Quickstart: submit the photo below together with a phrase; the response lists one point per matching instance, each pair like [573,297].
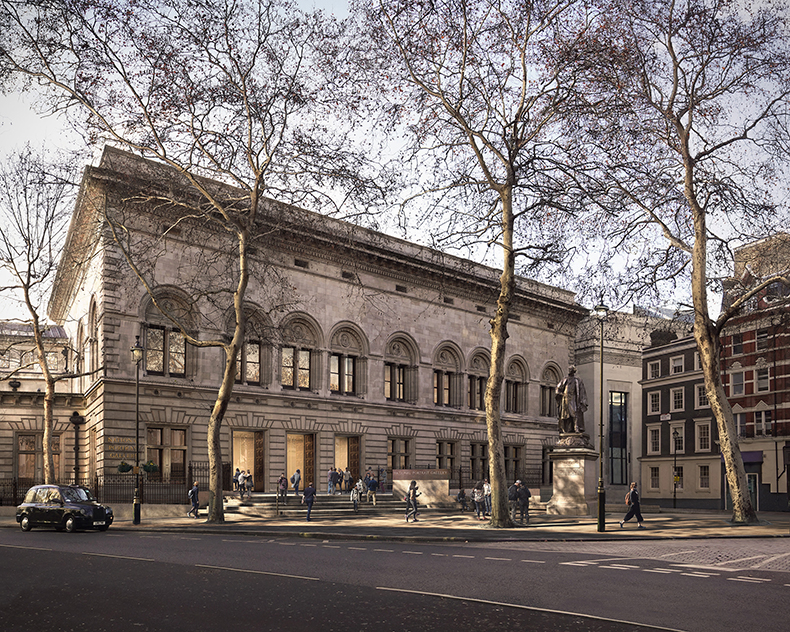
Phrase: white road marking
[357,548]
[412,552]
[121,557]
[439,554]
[466,557]
[308,545]
[697,575]
[749,580]
[330,546]
[771,559]
[678,553]
[499,559]
[246,570]
[534,561]
[28,548]
[384,550]
[521,607]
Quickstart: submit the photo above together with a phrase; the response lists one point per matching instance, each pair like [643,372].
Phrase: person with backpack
[282,489]
[242,486]
[512,497]
[373,486]
[632,500]
[478,497]
[295,480]
[193,496]
[462,499]
[522,500]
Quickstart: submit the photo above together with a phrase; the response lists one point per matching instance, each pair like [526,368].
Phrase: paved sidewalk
[455,527]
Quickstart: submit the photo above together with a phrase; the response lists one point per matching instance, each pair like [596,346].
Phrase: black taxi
[64,507]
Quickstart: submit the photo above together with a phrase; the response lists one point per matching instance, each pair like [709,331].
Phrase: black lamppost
[77,420]
[601,312]
[675,436]
[137,355]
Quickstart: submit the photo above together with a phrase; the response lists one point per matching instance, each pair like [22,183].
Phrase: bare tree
[34,198]
[694,141]
[477,92]
[229,90]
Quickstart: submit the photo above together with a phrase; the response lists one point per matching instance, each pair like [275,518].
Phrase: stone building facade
[363,351]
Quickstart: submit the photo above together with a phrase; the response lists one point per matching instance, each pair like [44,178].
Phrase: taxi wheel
[25,524]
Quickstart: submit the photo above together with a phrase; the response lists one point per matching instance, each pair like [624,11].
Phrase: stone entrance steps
[338,506]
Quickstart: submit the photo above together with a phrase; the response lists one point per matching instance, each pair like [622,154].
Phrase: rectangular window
[445,455]
[679,477]
[702,396]
[512,462]
[740,424]
[478,461]
[736,383]
[762,339]
[512,393]
[737,344]
[653,370]
[763,381]
[762,423]
[654,403]
[165,352]
[677,439]
[703,437]
[704,476]
[248,363]
[398,454]
[677,364]
[618,438]
[394,380]
[548,405]
[697,361]
[295,368]
[676,397]
[30,457]
[655,480]
[654,440]
[166,448]
[476,392]
[442,388]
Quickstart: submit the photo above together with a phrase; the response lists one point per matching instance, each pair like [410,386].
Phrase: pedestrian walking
[296,478]
[487,496]
[632,500]
[462,499]
[356,495]
[248,483]
[242,486]
[309,498]
[337,481]
[478,497]
[523,495]
[411,501]
[373,486]
[512,497]
[193,496]
[282,488]
[330,478]
[236,480]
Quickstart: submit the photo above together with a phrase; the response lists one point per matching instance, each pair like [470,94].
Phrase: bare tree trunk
[500,514]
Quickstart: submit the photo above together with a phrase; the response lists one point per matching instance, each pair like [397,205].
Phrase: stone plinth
[575,482]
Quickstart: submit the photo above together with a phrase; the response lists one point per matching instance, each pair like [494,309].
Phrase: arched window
[166,349]
[516,379]
[348,361]
[299,354]
[253,364]
[400,369]
[548,386]
[478,378]
[447,376]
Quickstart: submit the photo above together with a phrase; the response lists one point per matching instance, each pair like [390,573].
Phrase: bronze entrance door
[248,454]
[347,455]
[300,455]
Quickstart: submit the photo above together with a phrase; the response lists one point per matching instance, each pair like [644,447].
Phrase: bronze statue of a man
[571,403]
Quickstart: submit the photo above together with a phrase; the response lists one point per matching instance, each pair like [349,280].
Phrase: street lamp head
[600,311]
[137,350]
[675,434]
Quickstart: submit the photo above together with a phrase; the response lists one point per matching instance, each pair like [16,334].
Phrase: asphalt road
[119,581]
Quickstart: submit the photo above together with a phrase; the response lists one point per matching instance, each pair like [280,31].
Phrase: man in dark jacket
[193,496]
[373,486]
[522,500]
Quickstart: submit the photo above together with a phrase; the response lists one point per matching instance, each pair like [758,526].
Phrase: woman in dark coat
[633,507]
